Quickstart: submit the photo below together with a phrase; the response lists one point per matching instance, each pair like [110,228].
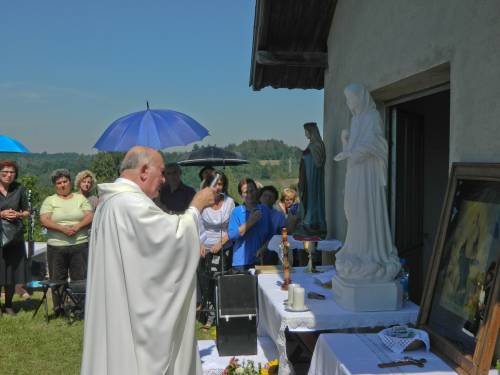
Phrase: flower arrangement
[245,368]
[248,368]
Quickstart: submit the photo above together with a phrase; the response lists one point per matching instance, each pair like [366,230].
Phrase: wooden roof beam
[305,59]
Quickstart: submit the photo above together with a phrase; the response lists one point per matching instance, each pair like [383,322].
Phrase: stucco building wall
[379,43]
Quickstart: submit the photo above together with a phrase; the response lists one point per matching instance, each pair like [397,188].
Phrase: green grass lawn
[31,346]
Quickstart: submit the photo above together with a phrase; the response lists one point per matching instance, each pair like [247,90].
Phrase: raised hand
[204,198]
[255,216]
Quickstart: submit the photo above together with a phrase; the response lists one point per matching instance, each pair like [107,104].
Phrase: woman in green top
[66,215]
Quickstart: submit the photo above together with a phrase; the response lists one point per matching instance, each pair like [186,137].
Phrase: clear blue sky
[70,68]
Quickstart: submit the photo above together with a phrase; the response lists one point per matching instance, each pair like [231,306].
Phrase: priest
[141,282]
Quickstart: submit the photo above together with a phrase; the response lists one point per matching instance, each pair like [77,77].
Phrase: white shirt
[214,223]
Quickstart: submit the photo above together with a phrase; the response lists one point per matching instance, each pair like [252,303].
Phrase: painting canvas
[471,249]
[460,307]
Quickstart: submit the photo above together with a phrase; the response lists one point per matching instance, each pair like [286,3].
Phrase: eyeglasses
[8,172]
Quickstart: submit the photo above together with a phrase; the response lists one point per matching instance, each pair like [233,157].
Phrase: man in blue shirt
[250,227]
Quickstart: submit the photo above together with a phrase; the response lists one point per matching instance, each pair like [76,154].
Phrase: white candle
[291,287]
[298,298]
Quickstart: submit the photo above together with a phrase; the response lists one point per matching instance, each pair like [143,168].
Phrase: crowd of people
[149,248]
[67,215]
[231,236]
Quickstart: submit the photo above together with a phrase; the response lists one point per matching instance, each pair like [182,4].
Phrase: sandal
[26,296]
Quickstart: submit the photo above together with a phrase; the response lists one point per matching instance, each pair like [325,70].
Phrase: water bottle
[404,279]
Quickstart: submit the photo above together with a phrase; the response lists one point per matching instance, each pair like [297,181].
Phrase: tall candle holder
[309,263]
[286,264]
[310,247]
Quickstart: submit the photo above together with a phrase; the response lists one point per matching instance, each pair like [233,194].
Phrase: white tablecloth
[324,245]
[323,315]
[345,354]
[213,364]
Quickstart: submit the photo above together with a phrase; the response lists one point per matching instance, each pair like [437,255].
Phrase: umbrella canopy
[153,128]
[8,144]
[211,156]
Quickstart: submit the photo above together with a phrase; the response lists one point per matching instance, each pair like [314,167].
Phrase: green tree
[232,184]
[106,165]
[37,193]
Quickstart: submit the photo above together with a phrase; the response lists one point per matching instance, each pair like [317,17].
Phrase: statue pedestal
[367,296]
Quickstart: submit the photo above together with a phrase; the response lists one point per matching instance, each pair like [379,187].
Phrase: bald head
[144,166]
[136,156]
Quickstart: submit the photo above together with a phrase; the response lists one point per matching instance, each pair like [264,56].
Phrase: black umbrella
[211,156]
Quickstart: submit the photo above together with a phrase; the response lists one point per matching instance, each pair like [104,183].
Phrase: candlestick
[286,266]
[298,298]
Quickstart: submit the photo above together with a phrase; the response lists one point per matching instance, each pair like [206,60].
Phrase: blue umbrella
[154,128]
[8,144]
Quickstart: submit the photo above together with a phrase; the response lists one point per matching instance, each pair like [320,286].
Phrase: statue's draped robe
[368,252]
[141,287]
[312,187]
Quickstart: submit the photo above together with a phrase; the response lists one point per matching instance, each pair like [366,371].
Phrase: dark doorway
[419,156]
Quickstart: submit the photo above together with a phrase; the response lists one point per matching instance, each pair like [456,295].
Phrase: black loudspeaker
[236,306]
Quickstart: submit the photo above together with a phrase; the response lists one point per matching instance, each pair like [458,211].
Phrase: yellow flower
[270,368]
[274,362]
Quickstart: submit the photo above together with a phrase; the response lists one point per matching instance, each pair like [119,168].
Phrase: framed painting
[460,306]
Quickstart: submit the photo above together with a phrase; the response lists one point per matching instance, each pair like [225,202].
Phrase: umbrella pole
[222,246]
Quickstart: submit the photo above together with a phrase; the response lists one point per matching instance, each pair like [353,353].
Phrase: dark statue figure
[312,184]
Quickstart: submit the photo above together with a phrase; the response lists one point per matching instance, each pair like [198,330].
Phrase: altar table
[323,314]
[350,353]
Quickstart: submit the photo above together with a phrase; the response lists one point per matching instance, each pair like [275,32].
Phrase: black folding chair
[57,288]
[74,306]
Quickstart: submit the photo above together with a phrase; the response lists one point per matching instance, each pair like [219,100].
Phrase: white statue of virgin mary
[368,253]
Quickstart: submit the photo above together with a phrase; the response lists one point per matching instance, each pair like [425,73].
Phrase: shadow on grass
[27,305]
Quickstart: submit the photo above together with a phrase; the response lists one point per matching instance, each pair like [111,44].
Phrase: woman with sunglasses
[13,209]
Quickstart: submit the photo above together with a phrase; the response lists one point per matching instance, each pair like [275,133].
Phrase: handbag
[11,231]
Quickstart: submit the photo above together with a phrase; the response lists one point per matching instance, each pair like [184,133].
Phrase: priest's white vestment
[141,287]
